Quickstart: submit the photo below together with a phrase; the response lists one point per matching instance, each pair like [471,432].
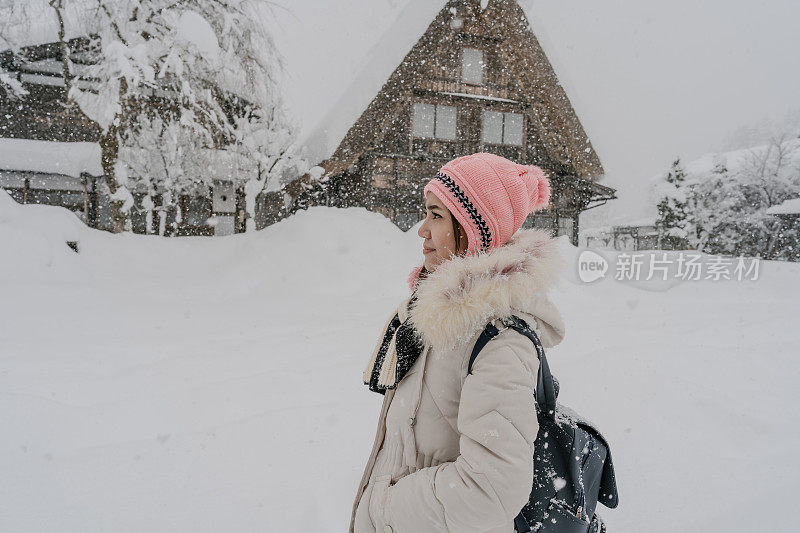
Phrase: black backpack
[572,460]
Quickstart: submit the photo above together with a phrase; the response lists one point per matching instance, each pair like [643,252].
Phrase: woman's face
[437,230]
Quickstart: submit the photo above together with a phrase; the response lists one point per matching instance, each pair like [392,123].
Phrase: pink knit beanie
[490,196]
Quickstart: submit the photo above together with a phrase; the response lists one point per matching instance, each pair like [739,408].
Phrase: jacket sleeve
[490,481]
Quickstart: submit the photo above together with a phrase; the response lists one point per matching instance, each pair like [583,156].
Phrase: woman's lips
[426,250]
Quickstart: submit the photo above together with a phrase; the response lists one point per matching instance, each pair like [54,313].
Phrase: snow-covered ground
[196,384]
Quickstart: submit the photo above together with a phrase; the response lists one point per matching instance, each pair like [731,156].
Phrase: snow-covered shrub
[723,209]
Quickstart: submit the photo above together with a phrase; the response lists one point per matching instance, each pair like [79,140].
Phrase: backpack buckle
[500,324]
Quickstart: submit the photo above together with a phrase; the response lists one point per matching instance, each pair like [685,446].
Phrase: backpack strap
[546,389]
[521,524]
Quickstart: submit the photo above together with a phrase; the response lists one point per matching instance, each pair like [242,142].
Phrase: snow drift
[208,384]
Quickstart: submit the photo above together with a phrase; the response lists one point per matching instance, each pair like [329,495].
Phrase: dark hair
[461,237]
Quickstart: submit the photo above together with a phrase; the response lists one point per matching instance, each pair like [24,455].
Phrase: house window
[382,181]
[502,128]
[472,66]
[538,221]
[196,210]
[566,226]
[437,121]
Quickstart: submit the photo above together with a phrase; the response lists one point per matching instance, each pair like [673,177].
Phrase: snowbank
[195,384]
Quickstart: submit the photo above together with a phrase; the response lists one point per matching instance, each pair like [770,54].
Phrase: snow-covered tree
[726,208]
[672,221]
[713,214]
[769,177]
[179,165]
[12,15]
[785,243]
[206,68]
[179,90]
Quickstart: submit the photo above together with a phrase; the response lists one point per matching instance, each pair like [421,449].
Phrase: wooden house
[57,134]
[476,81]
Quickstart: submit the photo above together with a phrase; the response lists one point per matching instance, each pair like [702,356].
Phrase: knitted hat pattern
[490,196]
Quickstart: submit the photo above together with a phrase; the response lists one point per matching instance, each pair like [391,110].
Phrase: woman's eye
[437,216]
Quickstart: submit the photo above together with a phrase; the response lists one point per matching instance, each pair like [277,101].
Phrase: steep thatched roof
[562,130]
[506,22]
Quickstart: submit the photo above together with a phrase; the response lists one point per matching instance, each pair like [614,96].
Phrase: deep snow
[197,384]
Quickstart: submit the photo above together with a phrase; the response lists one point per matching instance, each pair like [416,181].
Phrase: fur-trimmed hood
[457,299]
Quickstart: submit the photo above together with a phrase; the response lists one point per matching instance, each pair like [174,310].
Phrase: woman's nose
[423,230]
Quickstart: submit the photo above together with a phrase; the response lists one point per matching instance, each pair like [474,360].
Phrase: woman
[455,452]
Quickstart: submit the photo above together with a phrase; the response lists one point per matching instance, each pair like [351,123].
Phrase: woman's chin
[430,264]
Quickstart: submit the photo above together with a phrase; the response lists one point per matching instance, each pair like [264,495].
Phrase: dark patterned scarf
[399,347]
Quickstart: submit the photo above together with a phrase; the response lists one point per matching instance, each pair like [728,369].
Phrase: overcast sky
[654,80]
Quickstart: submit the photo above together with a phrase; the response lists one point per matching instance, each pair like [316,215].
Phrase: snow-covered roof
[333,65]
[33,22]
[69,159]
[337,55]
[337,58]
[788,207]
